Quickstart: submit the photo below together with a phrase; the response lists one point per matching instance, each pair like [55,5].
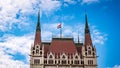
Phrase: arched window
[40,52]
[68,62]
[72,62]
[85,53]
[33,52]
[90,62]
[50,56]
[89,48]
[37,51]
[37,46]
[55,62]
[76,57]
[82,62]
[33,48]
[59,62]
[93,53]
[89,52]
[40,48]
[63,56]
[45,61]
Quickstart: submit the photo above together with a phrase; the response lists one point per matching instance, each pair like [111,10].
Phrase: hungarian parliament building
[63,52]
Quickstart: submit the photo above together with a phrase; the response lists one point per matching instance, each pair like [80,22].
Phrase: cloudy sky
[18,20]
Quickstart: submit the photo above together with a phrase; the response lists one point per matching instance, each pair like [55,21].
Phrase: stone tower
[37,52]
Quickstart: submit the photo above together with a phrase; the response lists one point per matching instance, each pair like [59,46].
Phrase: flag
[59,26]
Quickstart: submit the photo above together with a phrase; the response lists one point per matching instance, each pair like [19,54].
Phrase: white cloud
[89,1]
[18,11]
[9,10]
[11,45]
[116,66]
[14,12]
[50,5]
[72,31]
[97,36]
[67,2]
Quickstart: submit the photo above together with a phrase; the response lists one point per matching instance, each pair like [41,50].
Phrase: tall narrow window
[68,62]
[90,62]
[33,52]
[89,52]
[82,62]
[45,61]
[37,51]
[72,62]
[76,61]
[36,61]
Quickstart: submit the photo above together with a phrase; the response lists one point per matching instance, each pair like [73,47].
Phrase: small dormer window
[89,52]
[63,57]
[76,57]
[50,56]
[37,46]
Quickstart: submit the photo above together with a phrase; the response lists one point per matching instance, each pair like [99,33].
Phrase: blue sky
[18,22]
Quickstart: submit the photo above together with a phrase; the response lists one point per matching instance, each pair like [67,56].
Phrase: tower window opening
[36,61]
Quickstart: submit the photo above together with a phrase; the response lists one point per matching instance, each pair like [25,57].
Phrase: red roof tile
[62,45]
[79,49]
[46,49]
[88,40]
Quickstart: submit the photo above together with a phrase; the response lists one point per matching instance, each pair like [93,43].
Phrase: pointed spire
[86,24]
[38,32]
[38,23]
[88,40]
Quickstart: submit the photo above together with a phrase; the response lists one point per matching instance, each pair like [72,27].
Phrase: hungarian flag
[59,26]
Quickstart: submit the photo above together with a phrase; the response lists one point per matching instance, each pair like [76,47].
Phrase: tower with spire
[38,32]
[37,49]
[63,52]
[88,51]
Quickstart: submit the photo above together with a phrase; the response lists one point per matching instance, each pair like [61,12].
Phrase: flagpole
[61,31]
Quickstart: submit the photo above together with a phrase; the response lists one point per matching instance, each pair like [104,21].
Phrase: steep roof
[88,40]
[60,45]
[38,32]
